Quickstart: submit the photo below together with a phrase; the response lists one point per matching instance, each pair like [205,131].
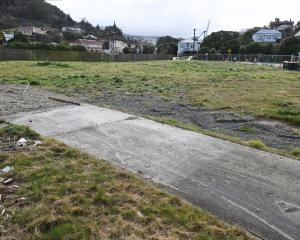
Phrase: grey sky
[179,17]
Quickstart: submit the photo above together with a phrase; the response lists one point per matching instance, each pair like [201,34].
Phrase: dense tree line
[242,43]
[167,45]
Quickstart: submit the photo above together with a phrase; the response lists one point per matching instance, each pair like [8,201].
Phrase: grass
[257,144]
[72,195]
[14,131]
[248,130]
[262,91]
[296,152]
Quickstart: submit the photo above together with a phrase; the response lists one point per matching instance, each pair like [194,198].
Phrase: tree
[70,37]
[167,45]
[233,44]
[290,45]
[257,48]
[148,49]
[204,50]
[1,38]
[213,51]
[246,37]
[219,40]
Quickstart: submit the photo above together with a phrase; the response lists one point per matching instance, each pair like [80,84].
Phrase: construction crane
[205,32]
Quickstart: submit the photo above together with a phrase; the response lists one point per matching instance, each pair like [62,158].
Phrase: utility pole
[194,40]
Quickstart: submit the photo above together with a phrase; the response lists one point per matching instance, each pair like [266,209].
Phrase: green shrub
[256,144]
[296,152]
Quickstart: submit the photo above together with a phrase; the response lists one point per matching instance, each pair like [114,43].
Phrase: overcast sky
[179,17]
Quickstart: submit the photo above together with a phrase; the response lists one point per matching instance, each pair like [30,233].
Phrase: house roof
[268,31]
[297,34]
[189,41]
[86,42]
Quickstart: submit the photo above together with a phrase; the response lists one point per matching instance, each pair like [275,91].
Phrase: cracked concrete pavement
[257,190]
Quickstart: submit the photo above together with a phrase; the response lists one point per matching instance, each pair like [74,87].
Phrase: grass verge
[66,194]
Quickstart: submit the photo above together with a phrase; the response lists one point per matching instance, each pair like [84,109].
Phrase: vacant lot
[257,90]
[61,193]
[228,100]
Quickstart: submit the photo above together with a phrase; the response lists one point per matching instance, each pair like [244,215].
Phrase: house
[74,30]
[32,31]
[297,35]
[8,35]
[91,37]
[188,46]
[90,45]
[116,47]
[267,36]
[281,25]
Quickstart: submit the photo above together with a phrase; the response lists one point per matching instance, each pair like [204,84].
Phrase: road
[257,190]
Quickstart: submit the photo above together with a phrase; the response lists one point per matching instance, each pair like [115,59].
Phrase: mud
[272,133]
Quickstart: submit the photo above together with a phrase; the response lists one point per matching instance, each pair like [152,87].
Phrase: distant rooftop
[268,31]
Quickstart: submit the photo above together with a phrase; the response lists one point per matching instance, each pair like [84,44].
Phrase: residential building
[143,39]
[8,35]
[90,45]
[116,47]
[30,31]
[267,36]
[188,46]
[74,30]
[281,25]
[297,35]
[91,37]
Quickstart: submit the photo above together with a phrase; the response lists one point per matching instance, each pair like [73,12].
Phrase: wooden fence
[276,59]
[7,54]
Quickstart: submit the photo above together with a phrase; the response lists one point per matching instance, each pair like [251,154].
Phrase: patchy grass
[296,152]
[257,144]
[72,195]
[248,130]
[262,91]
[16,132]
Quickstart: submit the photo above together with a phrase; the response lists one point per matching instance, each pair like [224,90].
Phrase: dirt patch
[21,98]
[272,133]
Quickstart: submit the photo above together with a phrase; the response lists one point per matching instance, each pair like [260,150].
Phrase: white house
[267,36]
[116,47]
[30,31]
[74,30]
[188,46]
[8,35]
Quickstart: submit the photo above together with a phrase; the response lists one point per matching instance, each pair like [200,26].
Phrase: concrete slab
[254,189]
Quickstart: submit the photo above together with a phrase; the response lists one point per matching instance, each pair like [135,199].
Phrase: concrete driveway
[254,189]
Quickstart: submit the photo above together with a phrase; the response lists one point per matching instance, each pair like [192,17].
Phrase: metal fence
[275,59]
[7,54]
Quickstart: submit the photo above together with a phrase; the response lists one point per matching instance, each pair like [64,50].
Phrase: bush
[213,51]
[290,45]
[256,48]
[78,48]
[296,152]
[204,50]
[18,45]
[256,144]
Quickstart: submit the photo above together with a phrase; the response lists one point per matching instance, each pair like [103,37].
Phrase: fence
[7,54]
[275,59]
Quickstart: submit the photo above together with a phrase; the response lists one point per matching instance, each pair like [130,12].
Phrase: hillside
[14,13]
[38,13]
